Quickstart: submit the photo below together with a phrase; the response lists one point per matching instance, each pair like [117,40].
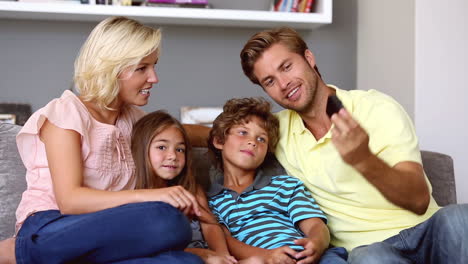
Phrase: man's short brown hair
[258,43]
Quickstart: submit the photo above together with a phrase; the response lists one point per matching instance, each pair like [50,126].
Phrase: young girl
[80,205]
[162,156]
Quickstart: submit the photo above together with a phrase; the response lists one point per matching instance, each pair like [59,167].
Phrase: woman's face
[135,83]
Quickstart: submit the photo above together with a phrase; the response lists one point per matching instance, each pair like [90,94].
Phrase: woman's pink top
[105,149]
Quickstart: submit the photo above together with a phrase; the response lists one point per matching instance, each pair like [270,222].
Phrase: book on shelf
[301,6]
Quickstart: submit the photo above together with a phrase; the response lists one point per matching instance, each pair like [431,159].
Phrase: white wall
[441,82]
[385,49]
[416,51]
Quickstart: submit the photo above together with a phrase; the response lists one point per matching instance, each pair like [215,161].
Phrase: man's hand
[403,184]
[281,255]
[311,253]
[350,139]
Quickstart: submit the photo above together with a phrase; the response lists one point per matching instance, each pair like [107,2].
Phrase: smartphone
[333,105]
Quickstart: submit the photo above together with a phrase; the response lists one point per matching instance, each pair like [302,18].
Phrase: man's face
[287,77]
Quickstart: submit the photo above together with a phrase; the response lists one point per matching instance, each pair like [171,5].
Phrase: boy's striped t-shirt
[266,213]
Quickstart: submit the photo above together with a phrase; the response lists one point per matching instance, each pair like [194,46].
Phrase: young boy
[271,216]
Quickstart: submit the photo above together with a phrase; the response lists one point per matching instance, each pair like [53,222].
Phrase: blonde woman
[80,205]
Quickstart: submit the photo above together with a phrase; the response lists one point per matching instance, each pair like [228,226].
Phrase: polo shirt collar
[261,180]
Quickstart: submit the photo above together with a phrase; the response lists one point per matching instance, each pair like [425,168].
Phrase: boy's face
[245,146]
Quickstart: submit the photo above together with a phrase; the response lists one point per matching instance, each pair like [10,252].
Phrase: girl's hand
[178,197]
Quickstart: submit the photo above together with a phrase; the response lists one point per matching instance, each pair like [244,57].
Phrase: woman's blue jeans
[443,238]
[150,232]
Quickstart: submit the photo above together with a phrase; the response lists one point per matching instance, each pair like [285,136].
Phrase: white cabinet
[170,15]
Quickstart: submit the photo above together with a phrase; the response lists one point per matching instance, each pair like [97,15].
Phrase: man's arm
[197,134]
[403,184]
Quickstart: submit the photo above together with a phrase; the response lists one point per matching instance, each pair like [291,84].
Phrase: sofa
[438,167]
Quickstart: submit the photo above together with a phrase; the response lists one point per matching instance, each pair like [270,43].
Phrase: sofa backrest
[12,178]
[438,167]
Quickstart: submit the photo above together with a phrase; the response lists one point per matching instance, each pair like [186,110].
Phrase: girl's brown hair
[143,133]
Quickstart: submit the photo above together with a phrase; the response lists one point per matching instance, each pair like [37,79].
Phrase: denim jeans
[150,232]
[443,238]
[334,255]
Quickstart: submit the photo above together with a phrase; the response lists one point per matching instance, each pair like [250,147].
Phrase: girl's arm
[63,150]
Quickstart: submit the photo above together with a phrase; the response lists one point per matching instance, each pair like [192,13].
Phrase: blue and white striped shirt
[266,213]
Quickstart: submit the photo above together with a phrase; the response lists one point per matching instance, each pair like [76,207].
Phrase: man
[362,165]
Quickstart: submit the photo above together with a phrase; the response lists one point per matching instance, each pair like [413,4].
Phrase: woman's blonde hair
[114,45]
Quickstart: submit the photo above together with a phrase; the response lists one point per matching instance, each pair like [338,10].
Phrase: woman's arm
[63,150]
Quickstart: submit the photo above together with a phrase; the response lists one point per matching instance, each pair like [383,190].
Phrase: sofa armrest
[439,170]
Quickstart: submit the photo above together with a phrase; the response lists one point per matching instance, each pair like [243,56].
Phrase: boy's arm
[210,228]
[214,237]
[316,241]
[198,135]
[241,251]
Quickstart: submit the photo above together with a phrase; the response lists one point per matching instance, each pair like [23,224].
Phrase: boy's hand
[281,255]
[221,259]
[311,253]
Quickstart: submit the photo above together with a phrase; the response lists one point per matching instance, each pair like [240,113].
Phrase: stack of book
[178,3]
[304,6]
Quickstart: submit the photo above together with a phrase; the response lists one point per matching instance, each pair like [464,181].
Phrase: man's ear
[310,58]
[218,143]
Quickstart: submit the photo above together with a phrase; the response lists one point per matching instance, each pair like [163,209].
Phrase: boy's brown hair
[258,43]
[240,111]
[142,134]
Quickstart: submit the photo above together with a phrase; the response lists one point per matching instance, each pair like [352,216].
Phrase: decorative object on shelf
[257,5]
[8,118]
[199,115]
[52,1]
[178,3]
[14,113]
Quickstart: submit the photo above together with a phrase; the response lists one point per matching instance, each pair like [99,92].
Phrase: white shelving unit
[169,15]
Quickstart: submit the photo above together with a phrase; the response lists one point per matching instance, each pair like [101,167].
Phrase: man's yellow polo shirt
[358,214]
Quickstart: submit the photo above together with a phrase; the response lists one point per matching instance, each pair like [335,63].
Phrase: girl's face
[167,153]
[135,84]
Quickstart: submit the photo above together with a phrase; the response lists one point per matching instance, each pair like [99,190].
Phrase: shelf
[169,15]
